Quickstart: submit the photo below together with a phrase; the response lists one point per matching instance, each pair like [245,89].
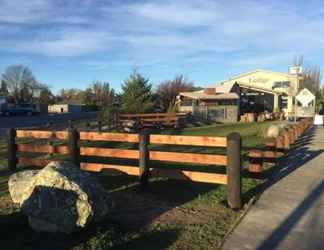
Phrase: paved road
[40,120]
[290,213]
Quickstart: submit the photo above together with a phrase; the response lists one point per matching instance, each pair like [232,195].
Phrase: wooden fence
[154,119]
[275,148]
[145,156]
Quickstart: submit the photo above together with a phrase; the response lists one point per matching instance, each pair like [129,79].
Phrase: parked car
[23,109]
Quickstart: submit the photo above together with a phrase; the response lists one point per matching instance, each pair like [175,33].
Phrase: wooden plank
[163,119]
[97,136]
[220,160]
[40,134]
[42,149]
[118,169]
[190,175]
[33,162]
[269,154]
[255,153]
[34,148]
[189,140]
[109,152]
[150,124]
[151,115]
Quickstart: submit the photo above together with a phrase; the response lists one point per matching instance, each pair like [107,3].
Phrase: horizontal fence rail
[205,141]
[148,120]
[38,134]
[79,152]
[152,115]
[118,137]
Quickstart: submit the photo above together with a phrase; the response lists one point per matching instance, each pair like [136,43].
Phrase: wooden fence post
[144,157]
[74,149]
[234,198]
[99,125]
[12,149]
[70,123]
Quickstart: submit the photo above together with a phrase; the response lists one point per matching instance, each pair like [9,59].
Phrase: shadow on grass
[127,227]
[17,235]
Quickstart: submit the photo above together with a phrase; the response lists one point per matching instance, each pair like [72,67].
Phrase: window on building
[187,102]
[281,84]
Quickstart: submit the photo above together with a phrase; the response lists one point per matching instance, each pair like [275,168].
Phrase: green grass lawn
[170,215]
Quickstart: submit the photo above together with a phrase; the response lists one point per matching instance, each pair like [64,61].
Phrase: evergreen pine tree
[3,89]
[137,94]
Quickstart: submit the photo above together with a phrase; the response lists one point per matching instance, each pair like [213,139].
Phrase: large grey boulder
[59,198]
[21,185]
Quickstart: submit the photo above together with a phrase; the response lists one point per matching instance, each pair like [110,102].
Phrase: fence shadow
[145,206]
[287,225]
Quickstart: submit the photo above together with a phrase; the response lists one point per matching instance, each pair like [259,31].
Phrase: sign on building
[295,70]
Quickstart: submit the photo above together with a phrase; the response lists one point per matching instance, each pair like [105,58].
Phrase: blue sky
[70,43]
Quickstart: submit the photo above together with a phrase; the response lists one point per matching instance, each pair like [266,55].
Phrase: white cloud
[67,43]
[177,13]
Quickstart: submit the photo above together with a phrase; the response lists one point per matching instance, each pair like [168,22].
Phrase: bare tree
[312,79]
[311,76]
[70,96]
[20,83]
[298,60]
[168,90]
[99,93]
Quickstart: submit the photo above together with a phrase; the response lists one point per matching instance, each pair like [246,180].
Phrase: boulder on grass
[130,125]
[273,131]
[59,198]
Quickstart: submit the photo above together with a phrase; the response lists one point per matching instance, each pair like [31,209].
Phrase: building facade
[209,105]
[254,91]
[275,91]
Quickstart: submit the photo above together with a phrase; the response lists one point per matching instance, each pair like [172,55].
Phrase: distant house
[254,91]
[65,108]
[211,104]
[267,90]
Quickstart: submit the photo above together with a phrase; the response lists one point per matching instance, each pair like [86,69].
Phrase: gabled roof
[255,71]
[225,88]
[200,95]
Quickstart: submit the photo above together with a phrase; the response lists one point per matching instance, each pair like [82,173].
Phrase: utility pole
[296,102]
